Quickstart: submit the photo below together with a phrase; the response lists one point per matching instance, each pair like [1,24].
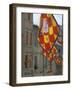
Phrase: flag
[47,35]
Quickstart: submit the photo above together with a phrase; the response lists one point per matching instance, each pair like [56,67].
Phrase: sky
[36,18]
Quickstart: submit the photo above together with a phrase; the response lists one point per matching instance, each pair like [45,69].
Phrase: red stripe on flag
[47,46]
[51,38]
[44,16]
[41,39]
[55,30]
[49,21]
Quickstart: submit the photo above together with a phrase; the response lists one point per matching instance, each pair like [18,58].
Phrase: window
[25,38]
[45,62]
[35,63]
[35,39]
[29,38]
[26,61]
[59,50]
[29,16]
[29,60]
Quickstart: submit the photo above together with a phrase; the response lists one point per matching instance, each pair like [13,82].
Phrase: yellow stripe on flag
[53,21]
[50,30]
[46,38]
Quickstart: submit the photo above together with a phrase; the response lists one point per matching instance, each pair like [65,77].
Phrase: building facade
[33,61]
[27,44]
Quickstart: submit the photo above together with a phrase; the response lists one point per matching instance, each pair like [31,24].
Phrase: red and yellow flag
[47,35]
